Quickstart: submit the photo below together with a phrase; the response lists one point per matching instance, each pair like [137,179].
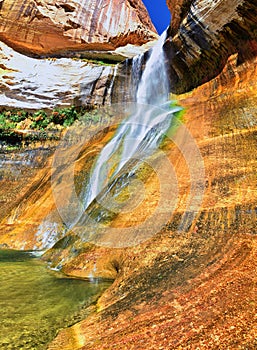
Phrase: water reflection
[36,302]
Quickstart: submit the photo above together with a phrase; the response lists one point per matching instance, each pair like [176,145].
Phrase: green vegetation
[39,120]
[101,62]
[98,62]
[17,125]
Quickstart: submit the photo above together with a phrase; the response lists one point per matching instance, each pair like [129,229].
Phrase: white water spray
[140,134]
[153,87]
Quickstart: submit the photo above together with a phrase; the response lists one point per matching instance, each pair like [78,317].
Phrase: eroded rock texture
[178,290]
[48,83]
[203,35]
[194,289]
[51,27]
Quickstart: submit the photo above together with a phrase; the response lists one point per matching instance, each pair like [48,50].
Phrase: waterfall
[139,135]
[154,85]
[116,189]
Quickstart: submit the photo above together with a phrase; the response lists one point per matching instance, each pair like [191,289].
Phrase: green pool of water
[36,302]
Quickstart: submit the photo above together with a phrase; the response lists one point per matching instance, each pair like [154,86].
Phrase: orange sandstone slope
[55,27]
[194,290]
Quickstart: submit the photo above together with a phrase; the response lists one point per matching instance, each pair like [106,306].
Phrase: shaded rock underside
[52,83]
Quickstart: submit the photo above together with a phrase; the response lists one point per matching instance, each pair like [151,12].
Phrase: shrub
[42,121]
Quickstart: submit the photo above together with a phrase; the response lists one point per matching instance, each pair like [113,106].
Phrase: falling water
[141,133]
[154,85]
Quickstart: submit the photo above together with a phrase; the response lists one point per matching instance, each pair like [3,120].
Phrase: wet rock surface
[194,289]
[177,290]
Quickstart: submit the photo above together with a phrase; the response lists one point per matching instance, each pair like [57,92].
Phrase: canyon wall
[193,289]
[105,31]
[203,34]
[177,290]
[56,27]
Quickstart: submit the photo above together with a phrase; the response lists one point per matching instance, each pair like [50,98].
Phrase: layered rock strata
[48,83]
[204,34]
[178,290]
[55,27]
[194,289]
[201,37]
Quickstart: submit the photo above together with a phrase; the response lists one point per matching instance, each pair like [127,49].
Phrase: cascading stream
[142,131]
[153,87]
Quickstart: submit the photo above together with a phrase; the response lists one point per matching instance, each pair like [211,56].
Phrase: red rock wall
[204,34]
[54,26]
[197,289]
[179,10]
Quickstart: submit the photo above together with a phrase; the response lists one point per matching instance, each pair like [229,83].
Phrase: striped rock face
[205,33]
[55,27]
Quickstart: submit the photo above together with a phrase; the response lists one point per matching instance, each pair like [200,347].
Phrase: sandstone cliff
[195,289]
[104,30]
[178,290]
[55,27]
[53,82]
[204,34]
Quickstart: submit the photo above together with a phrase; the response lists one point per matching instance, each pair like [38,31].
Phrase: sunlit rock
[57,27]
[47,83]
[195,289]
[179,289]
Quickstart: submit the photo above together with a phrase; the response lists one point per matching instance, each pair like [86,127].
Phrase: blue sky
[159,13]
